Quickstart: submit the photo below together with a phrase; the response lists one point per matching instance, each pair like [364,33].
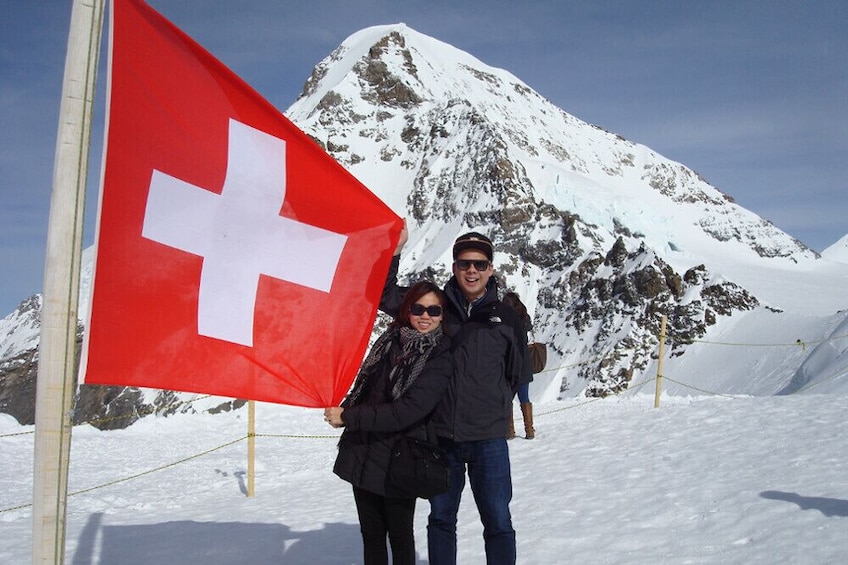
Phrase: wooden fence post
[660,363]
[251,446]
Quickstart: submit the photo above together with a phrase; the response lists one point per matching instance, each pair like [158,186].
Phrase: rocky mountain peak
[19,331]
[453,144]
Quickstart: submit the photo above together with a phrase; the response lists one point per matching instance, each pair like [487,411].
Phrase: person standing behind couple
[399,384]
[512,299]
[472,420]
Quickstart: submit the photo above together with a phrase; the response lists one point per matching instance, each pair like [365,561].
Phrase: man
[472,420]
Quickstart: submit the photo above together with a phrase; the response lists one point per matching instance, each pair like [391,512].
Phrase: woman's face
[421,314]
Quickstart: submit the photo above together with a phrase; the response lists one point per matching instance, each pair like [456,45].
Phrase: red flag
[234,256]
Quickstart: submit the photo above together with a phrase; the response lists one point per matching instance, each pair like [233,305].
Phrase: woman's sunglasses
[418,310]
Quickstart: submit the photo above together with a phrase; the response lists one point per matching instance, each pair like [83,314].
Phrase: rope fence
[632,388]
[797,343]
[157,469]
[171,408]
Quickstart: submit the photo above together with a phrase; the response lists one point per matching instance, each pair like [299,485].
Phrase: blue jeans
[524,393]
[491,484]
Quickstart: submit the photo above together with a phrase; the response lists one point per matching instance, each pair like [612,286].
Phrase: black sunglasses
[418,310]
[465,264]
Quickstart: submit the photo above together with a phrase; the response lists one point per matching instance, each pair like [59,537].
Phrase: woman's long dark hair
[412,295]
[512,300]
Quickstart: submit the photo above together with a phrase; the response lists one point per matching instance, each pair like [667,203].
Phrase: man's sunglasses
[465,264]
[418,310]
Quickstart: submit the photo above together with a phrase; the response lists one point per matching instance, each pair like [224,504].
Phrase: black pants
[380,516]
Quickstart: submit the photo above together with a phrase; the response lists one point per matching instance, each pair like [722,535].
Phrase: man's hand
[404,237]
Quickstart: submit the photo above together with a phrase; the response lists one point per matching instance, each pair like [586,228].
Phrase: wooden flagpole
[57,347]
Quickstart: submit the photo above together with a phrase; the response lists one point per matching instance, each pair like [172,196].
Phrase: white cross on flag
[234,256]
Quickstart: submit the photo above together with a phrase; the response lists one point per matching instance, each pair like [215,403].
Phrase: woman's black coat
[373,424]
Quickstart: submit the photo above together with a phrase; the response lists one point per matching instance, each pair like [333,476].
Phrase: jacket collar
[461,303]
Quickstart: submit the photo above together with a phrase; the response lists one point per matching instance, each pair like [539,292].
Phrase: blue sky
[751,95]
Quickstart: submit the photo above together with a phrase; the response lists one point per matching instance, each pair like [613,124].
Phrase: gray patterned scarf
[415,349]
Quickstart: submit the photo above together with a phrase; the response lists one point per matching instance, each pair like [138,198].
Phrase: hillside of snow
[735,481]
[837,252]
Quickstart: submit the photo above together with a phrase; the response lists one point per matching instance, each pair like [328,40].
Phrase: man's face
[472,280]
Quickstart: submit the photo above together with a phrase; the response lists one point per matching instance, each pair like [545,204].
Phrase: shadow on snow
[215,543]
[827,506]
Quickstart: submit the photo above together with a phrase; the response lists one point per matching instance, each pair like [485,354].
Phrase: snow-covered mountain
[19,329]
[838,251]
[598,234]
[426,125]
[601,236]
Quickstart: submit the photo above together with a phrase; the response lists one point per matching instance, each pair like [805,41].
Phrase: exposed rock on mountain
[600,235]
[104,407]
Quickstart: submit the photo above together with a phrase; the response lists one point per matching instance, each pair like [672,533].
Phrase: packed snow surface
[707,479]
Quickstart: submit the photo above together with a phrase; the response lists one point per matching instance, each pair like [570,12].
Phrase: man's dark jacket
[490,356]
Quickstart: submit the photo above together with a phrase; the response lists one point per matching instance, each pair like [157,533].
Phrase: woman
[399,385]
[512,299]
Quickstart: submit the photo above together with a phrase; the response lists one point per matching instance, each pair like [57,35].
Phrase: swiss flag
[234,257]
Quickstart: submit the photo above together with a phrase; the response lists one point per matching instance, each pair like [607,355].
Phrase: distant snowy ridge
[837,252]
[20,329]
